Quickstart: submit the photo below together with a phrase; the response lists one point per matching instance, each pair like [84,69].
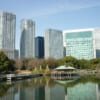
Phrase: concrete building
[16,54]
[53,43]
[7,33]
[97,41]
[39,47]
[27,40]
[80,43]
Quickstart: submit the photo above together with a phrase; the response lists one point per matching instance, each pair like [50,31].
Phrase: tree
[94,63]
[18,64]
[4,62]
[47,70]
[51,63]
[83,64]
[71,61]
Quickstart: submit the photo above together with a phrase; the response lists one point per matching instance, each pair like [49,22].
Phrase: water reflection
[46,89]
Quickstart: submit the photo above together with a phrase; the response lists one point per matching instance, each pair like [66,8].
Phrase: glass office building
[79,43]
[27,40]
[7,33]
[97,41]
[39,47]
[53,44]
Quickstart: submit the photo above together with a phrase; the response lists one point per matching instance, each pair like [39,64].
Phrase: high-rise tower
[80,43]
[27,40]
[53,43]
[39,47]
[7,33]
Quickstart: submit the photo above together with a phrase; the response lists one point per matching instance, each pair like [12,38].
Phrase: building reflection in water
[81,91]
[27,93]
[98,91]
[9,94]
[87,91]
[19,92]
[54,93]
[39,93]
[32,93]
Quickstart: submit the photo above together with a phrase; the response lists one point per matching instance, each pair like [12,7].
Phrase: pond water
[44,88]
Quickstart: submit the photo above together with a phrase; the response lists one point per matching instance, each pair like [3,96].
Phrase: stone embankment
[11,77]
[88,72]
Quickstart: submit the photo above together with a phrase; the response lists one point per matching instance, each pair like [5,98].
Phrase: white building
[7,33]
[82,43]
[27,40]
[97,41]
[53,43]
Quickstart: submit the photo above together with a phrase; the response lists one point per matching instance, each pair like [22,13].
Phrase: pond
[44,88]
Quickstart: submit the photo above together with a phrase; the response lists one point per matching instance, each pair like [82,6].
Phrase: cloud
[49,7]
[57,6]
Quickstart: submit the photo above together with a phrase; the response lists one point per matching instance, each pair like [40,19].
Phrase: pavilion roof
[64,68]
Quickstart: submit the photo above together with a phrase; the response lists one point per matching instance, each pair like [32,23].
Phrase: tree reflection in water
[39,85]
[4,88]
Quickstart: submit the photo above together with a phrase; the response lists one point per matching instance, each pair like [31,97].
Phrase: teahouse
[63,72]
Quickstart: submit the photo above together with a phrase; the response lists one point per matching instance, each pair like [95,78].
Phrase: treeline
[7,64]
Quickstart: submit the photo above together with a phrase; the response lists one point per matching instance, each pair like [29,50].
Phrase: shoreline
[88,72]
[25,74]
[12,77]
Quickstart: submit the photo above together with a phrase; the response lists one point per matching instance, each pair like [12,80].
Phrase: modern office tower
[53,43]
[79,43]
[39,47]
[16,54]
[97,41]
[7,33]
[27,40]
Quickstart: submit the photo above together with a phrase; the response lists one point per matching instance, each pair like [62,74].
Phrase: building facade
[7,33]
[27,40]
[79,43]
[39,47]
[16,54]
[53,43]
[97,41]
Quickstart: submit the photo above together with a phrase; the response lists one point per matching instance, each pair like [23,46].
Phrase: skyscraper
[39,47]
[16,53]
[7,33]
[97,41]
[27,39]
[53,43]
[80,43]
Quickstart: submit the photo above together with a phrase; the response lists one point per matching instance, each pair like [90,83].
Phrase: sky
[55,14]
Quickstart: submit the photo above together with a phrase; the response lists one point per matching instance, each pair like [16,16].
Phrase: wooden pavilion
[63,72]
